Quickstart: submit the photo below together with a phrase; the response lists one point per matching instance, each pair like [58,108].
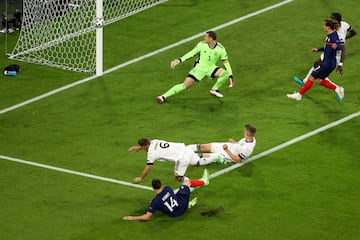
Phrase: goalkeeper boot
[216,93]
[299,81]
[160,99]
[232,82]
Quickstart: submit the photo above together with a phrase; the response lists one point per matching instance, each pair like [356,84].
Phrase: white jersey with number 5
[165,151]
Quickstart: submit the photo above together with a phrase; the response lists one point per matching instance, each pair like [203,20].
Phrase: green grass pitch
[308,190]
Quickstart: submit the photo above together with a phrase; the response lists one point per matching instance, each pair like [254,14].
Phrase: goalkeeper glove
[174,62]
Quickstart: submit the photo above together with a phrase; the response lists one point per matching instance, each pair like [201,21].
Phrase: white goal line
[138,59]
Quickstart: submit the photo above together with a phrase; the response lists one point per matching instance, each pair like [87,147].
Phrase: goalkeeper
[208,53]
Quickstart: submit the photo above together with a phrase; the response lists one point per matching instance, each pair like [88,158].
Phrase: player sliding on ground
[172,204]
[162,150]
[208,53]
[228,152]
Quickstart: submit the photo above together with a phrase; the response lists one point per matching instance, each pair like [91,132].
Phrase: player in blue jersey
[327,65]
[168,202]
[345,32]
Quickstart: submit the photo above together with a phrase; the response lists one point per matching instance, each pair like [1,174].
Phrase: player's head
[250,130]
[144,143]
[210,35]
[330,24]
[336,17]
[156,184]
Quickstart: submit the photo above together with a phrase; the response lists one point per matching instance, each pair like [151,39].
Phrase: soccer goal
[68,34]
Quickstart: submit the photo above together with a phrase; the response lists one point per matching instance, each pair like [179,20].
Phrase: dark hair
[336,17]
[143,142]
[156,183]
[212,34]
[250,129]
[332,24]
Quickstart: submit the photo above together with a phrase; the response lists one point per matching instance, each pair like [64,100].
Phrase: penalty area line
[138,59]
[87,175]
[283,145]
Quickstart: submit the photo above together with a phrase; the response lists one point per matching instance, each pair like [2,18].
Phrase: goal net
[62,33]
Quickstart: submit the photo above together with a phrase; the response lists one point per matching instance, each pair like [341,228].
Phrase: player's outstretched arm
[229,70]
[234,157]
[187,56]
[134,149]
[174,62]
[144,217]
[144,173]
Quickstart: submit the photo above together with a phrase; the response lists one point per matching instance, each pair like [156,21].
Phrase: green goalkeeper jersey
[208,57]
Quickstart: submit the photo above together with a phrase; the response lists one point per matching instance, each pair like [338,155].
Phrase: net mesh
[61,33]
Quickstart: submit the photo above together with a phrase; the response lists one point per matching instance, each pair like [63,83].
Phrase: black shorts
[184,193]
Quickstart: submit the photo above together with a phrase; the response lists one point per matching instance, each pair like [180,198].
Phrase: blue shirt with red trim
[329,52]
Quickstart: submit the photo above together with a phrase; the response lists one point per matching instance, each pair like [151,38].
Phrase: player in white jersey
[232,151]
[345,31]
[162,150]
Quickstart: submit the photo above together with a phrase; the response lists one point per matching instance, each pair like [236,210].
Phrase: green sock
[174,90]
[221,79]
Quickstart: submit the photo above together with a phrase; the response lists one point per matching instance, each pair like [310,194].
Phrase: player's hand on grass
[128,218]
[174,62]
[134,149]
[340,70]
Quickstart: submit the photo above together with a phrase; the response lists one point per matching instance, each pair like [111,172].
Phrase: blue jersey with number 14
[169,203]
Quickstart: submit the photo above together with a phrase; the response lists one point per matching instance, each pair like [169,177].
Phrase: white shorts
[217,147]
[189,158]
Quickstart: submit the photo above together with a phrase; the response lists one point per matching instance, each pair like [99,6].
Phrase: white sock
[308,75]
[185,179]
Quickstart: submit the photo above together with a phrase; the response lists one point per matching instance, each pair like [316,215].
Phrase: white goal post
[68,34]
